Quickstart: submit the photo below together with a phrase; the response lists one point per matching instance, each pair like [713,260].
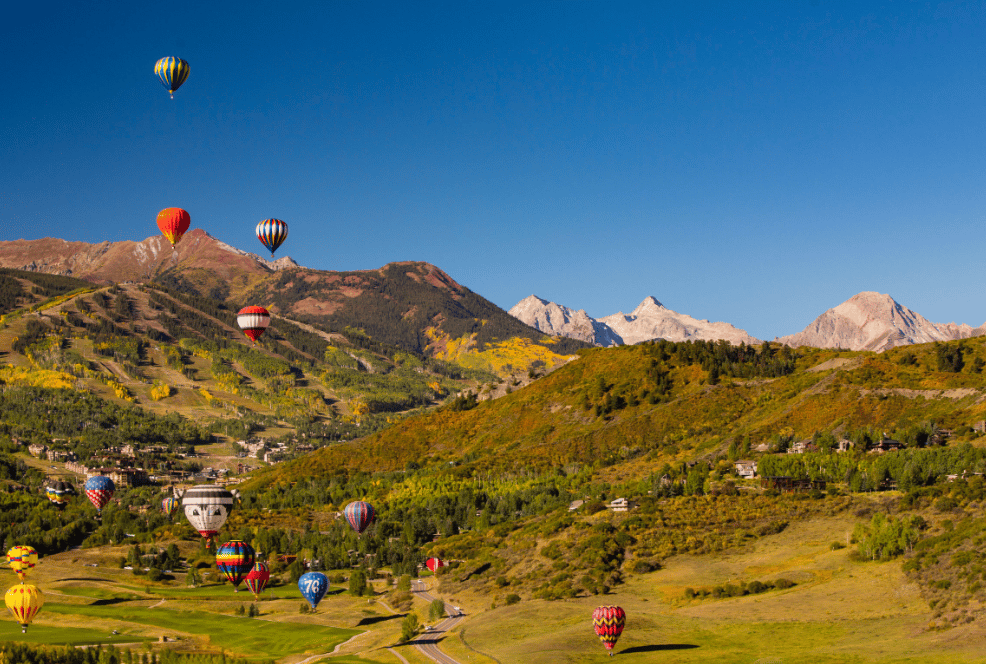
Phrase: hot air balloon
[608,622]
[235,560]
[59,493]
[173,223]
[359,514]
[99,490]
[206,508]
[434,563]
[24,601]
[313,586]
[253,321]
[172,72]
[257,579]
[272,232]
[21,559]
[170,505]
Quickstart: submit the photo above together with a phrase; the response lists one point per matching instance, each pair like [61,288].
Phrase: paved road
[427,643]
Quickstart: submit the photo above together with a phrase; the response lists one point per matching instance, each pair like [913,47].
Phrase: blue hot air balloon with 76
[313,586]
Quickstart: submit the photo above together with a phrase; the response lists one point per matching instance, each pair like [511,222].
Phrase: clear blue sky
[756,163]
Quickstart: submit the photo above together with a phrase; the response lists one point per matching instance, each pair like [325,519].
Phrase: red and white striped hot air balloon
[253,321]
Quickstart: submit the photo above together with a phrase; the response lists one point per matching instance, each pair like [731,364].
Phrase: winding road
[427,643]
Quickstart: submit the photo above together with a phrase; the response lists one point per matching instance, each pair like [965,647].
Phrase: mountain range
[867,321]
[417,306]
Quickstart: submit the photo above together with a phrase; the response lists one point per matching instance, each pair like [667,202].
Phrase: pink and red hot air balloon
[360,515]
[257,579]
[608,622]
[434,563]
[253,321]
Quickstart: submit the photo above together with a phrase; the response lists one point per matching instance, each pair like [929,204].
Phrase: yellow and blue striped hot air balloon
[235,560]
[24,601]
[272,232]
[21,559]
[172,72]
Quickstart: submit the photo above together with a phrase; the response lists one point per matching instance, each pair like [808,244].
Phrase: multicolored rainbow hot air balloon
[169,506]
[99,490]
[173,223]
[207,508]
[253,321]
[313,586]
[360,515]
[272,232]
[235,560]
[24,601]
[608,622]
[257,579]
[434,563]
[172,72]
[59,493]
[21,559]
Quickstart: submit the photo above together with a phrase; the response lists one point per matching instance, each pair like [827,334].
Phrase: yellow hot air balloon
[22,558]
[24,601]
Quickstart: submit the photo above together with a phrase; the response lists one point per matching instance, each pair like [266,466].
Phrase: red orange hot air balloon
[253,321]
[608,622]
[173,223]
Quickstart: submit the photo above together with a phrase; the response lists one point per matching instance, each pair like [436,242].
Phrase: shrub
[782,584]
[512,598]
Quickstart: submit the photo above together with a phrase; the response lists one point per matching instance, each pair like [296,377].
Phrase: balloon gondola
[172,72]
[608,622]
[271,233]
[235,560]
[253,321]
[360,515]
[24,601]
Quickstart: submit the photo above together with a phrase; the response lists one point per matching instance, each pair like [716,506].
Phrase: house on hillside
[790,485]
[746,468]
[844,445]
[621,505]
[802,446]
[885,445]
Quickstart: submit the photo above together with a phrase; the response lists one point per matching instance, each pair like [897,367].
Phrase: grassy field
[839,611]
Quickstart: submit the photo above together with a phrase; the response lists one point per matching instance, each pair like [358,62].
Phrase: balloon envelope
[434,563]
[359,514]
[24,601]
[257,579]
[608,622]
[253,321]
[207,507]
[272,232]
[99,489]
[21,559]
[313,586]
[173,223]
[172,71]
[235,560]
[60,492]
[169,506]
